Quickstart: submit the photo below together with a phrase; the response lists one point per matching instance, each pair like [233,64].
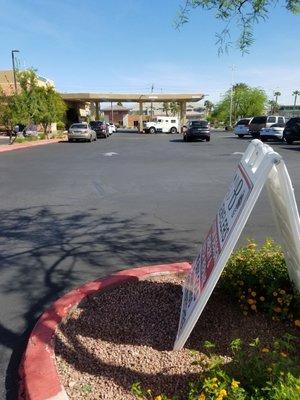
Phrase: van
[162,124]
[257,123]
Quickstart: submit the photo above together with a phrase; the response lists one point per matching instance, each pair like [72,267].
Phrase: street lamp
[14,68]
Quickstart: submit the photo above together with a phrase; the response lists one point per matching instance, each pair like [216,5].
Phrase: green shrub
[60,126]
[259,280]
[42,136]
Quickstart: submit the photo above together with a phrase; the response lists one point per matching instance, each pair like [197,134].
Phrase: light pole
[14,68]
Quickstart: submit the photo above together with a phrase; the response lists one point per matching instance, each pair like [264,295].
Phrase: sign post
[260,164]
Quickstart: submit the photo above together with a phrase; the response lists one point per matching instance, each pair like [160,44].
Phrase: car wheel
[208,139]
[263,139]
[289,141]
[184,138]
[91,139]
[70,140]
[152,130]
[240,136]
[173,130]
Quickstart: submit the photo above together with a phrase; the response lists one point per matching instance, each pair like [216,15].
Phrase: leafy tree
[241,13]
[33,104]
[174,108]
[246,102]
[51,107]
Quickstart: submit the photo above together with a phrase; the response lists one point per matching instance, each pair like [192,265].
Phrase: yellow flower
[279,299]
[223,393]
[202,396]
[283,354]
[253,294]
[251,246]
[297,322]
[282,291]
[269,369]
[251,301]
[265,350]
[253,307]
[235,384]
[262,298]
[160,398]
[275,294]
[214,380]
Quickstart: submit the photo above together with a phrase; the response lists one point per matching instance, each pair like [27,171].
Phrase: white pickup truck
[162,124]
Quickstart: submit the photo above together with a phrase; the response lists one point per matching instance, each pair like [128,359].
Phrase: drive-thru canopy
[77,99]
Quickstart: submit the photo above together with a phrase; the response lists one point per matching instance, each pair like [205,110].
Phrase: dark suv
[198,129]
[101,128]
[292,130]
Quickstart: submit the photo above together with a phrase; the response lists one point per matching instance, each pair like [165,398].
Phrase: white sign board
[259,164]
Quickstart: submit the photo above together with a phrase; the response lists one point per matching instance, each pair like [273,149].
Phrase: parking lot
[72,212]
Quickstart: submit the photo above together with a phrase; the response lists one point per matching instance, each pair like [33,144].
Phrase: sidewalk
[19,146]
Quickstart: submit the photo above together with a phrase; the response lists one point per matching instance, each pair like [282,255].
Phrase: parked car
[197,129]
[275,132]
[242,127]
[101,128]
[81,131]
[292,130]
[162,124]
[257,123]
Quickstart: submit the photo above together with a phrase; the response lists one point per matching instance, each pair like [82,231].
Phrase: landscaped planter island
[113,338]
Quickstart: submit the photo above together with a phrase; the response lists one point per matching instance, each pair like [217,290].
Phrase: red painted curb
[38,373]
[18,146]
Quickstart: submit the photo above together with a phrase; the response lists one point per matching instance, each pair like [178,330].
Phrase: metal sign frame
[260,164]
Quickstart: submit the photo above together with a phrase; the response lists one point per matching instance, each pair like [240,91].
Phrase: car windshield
[202,124]
[79,126]
[243,122]
[293,121]
[259,120]
[96,123]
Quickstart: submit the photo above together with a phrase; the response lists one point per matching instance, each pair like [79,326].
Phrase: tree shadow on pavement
[45,253]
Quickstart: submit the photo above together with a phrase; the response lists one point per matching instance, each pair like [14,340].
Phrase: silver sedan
[81,131]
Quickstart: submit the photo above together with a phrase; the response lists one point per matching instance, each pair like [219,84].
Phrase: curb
[39,379]
[11,147]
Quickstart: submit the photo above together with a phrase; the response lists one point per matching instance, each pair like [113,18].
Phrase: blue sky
[128,45]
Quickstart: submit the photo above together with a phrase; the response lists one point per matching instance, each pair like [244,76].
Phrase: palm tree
[166,108]
[174,108]
[208,107]
[296,93]
[277,94]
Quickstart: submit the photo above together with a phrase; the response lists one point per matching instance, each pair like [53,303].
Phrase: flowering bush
[259,279]
[252,372]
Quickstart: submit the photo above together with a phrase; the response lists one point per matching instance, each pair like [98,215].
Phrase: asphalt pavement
[73,212]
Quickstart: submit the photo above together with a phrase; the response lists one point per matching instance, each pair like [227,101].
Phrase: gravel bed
[125,335]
